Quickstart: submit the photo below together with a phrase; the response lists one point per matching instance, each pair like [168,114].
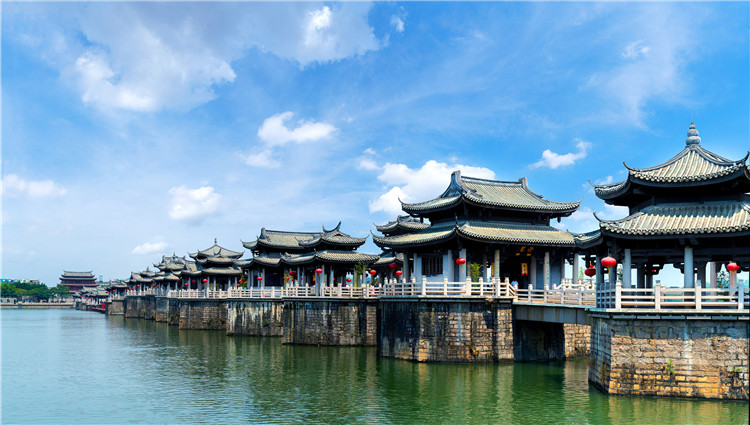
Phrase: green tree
[8,291]
[475,270]
[722,279]
[61,291]
[359,272]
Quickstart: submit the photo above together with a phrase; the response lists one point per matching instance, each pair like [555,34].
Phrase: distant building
[76,281]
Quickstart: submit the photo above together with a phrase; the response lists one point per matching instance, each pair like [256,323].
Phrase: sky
[133,130]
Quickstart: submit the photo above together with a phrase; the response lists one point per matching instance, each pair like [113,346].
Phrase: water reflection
[92,369]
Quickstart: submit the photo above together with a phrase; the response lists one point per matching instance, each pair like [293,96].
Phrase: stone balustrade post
[423,289]
[481,287]
[467,287]
[698,296]
[546,290]
[618,295]
[657,296]
[741,297]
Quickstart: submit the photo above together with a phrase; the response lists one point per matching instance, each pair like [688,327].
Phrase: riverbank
[69,305]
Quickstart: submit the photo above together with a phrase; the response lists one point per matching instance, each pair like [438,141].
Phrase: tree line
[33,291]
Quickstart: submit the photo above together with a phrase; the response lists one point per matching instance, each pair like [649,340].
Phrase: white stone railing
[659,298]
[580,296]
[492,288]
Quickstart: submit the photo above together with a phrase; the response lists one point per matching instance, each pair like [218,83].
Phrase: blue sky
[132,130]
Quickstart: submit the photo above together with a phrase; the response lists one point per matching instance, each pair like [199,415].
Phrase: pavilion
[295,256]
[215,268]
[501,226]
[689,211]
[76,281]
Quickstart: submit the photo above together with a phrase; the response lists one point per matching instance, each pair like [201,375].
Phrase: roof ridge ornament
[693,138]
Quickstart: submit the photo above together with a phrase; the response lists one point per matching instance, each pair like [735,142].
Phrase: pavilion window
[432,264]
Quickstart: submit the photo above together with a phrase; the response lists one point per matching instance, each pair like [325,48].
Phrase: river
[68,366]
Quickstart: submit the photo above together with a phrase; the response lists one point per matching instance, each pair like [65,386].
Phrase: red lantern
[733,267]
[373,272]
[609,262]
[286,277]
[238,285]
[348,279]
[186,284]
[393,266]
[399,272]
[259,278]
[590,272]
[205,280]
[292,273]
[460,261]
[193,281]
[137,286]
[318,271]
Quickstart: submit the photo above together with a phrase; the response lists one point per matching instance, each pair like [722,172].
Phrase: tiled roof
[265,260]
[296,240]
[216,250]
[78,274]
[222,271]
[485,231]
[216,259]
[588,239]
[433,234]
[404,222]
[293,259]
[692,165]
[514,233]
[710,218]
[388,258]
[329,256]
[490,193]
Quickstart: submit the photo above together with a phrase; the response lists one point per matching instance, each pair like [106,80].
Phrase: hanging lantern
[733,267]
[292,273]
[286,277]
[193,281]
[393,266]
[609,262]
[399,272]
[186,284]
[205,280]
[590,272]
[373,272]
[238,285]
[137,286]
[259,278]
[243,280]
[461,261]
[318,271]
[348,279]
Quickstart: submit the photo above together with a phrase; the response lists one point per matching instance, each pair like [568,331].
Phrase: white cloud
[274,131]
[554,160]
[635,50]
[13,185]
[414,185]
[262,159]
[368,164]
[148,57]
[397,23]
[193,204]
[150,248]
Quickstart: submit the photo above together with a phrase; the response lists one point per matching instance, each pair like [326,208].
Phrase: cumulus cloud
[414,185]
[193,204]
[274,132]
[150,248]
[555,160]
[13,185]
[397,23]
[148,57]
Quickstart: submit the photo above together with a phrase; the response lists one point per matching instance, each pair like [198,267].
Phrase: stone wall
[254,317]
[173,311]
[115,307]
[327,321]
[197,313]
[141,306]
[162,309]
[577,340]
[693,357]
[445,330]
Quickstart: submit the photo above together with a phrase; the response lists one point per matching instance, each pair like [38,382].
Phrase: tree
[8,291]
[475,270]
[722,279]
[61,291]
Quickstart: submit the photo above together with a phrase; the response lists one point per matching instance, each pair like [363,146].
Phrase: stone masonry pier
[202,313]
[330,321]
[460,330]
[254,317]
[684,354]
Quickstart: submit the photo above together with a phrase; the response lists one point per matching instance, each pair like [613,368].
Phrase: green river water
[75,367]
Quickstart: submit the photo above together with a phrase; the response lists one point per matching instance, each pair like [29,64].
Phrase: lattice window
[432,264]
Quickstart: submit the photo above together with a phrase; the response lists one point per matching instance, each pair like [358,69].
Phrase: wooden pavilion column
[417,267]
[407,267]
[713,270]
[546,271]
[496,265]
[462,268]
[574,276]
[599,273]
[640,275]
[627,269]
[688,268]
[532,272]
[448,265]
[701,275]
